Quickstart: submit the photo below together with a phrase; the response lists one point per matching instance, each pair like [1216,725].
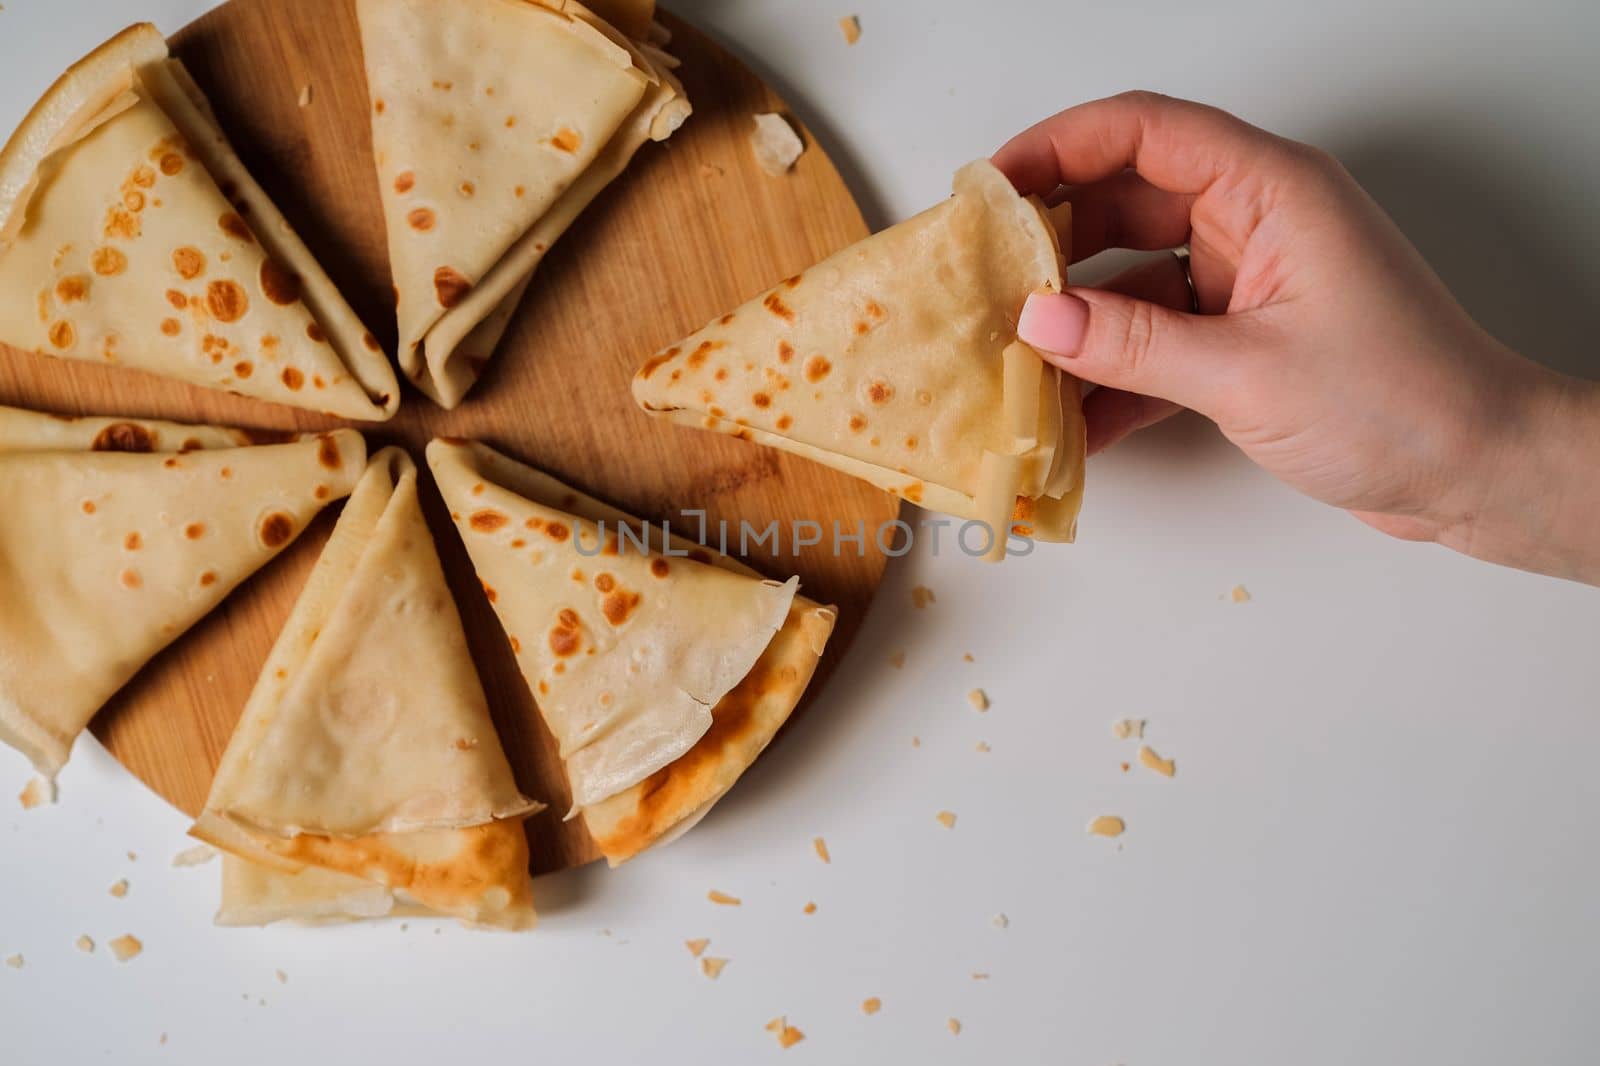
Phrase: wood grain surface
[691,230]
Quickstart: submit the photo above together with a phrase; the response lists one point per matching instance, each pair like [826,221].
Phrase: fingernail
[1054,322]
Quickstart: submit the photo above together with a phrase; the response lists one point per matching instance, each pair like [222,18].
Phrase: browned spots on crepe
[194,530]
[557,531]
[785,421]
[131,580]
[377,105]
[124,437]
[761,399]
[177,299]
[121,223]
[208,579]
[879,393]
[816,368]
[234,226]
[702,352]
[72,289]
[189,262]
[466,188]
[226,300]
[88,507]
[276,529]
[603,582]
[133,542]
[659,567]
[420,219]
[564,636]
[328,455]
[243,369]
[404,182]
[655,361]
[143,177]
[488,521]
[858,422]
[171,164]
[565,140]
[108,262]
[619,605]
[774,303]
[450,286]
[488,591]
[293,379]
[62,335]
[278,283]
[785,351]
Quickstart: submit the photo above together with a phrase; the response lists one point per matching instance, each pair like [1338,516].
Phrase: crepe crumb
[1239,594]
[282,977]
[697,945]
[967,658]
[850,26]
[723,898]
[119,889]
[775,143]
[982,747]
[126,946]
[1125,767]
[305,96]
[947,819]
[979,976]
[810,908]
[1107,825]
[163,1039]
[788,1035]
[916,742]
[14,961]
[822,849]
[921,596]
[195,856]
[36,793]
[711,967]
[954,1026]
[1000,921]
[85,944]
[979,699]
[1128,727]
[133,856]
[871,1005]
[1151,761]
[898,660]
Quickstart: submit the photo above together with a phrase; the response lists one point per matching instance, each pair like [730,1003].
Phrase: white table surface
[1379,847]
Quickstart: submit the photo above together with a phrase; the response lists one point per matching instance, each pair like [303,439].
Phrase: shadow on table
[1514,245]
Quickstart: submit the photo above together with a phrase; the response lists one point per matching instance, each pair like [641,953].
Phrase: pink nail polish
[1054,322]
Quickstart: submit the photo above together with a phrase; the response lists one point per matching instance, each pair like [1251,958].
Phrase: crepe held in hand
[131,234]
[365,772]
[660,676]
[117,536]
[897,361]
[494,124]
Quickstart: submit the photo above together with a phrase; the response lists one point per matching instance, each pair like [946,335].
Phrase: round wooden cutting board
[691,230]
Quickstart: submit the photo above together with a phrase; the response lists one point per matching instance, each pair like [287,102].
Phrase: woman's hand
[1325,347]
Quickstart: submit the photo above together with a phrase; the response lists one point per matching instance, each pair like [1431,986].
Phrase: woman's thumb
[1131,344]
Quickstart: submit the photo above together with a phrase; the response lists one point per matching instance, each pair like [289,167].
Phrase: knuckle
[1137,343]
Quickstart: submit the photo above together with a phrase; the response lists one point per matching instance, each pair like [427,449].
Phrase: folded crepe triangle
[897,361]
[117,536]
[662,676]
[130,233]
[365,774]
[494,124]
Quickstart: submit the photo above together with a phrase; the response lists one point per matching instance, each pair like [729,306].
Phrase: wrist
[1539,504]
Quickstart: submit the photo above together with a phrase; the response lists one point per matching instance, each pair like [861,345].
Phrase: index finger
[1176,145]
